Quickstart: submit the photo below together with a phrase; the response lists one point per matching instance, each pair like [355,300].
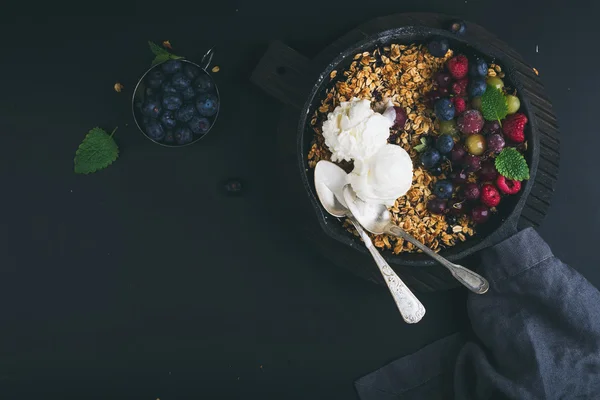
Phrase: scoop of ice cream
[384,177]
[353,131]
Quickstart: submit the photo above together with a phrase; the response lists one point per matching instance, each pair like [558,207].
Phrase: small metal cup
[139,95]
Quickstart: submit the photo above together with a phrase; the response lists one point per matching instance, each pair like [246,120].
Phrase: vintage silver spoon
[376,219]
[329,182]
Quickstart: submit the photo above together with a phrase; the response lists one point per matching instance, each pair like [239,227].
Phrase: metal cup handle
[207,58]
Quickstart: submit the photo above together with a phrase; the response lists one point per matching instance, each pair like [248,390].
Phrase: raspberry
[490,195]
[459,87]
[458,66]
[460,105]
[514,127]
[508,186]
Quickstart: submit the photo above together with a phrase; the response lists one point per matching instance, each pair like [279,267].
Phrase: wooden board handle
[284,74]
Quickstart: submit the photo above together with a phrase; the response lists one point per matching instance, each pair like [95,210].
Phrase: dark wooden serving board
[300,72]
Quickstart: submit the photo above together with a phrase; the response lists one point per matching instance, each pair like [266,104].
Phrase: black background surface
[144,281]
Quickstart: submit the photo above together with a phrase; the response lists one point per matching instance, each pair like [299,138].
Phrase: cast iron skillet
[500,225]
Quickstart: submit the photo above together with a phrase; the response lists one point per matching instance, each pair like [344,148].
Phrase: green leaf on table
[512,165]
[493,104]
[97,151]
[161,54]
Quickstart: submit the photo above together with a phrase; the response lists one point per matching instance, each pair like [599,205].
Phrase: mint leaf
[421,147]
[161,54]
[493,104]
[97,151]
[512,165]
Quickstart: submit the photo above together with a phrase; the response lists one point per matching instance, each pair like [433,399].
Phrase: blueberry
[438,47]
[207,104]
[444,144]
[155,73]
[153,83]
[451,219]
[444,109]
[203,83]
[185,113]
[233,187]
[154,130]
[199,125]
[171,66]
[443,189]
[478,68]
[180,81]
[191,71]
[436,171]
[172,101]
[168,119]
[151,108]
[477,87]
[168,87]
[169,137]
[188,93]
[183,135]
[458,27]
[149,92]
[430,158]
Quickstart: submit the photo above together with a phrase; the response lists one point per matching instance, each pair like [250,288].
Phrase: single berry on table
[470,122]
[444,109]
[490,195]
[459,87]
[233,187]
[458,27]
[191,71]
[478,68]
[203,83]
[444,144]
[458,66]
[458,176]
[508,186]
[448,127]
[491,127]
[199,125]
[476,103]
[154,130]
[457,207]
[169,136]
[514,127]
[472,163]
[513,103]
[171,66]
[443,189]
[471,191]
[443,79]
[460,105]
[488,172]
[167,88]
[477,87]
[207,104]
[185,113]
[183,135]
[480,214]
[495,82]
[430,158]
[180,81]
[151,109]
[458,153]
[495,143]
[436,205]
[476,144]
[438,47]
[436,171]
[172,101]
[168,119]
[400,119]
[188,93]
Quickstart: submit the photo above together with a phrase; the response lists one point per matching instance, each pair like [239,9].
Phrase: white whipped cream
[353,131]
[384,177]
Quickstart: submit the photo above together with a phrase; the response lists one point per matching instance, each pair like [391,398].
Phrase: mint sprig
[161,54]
[493,104]
[97,151]
[512,165]
[422,146]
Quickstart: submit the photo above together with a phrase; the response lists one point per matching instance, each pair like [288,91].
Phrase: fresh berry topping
[400,119]
[458,66]
[471,191]
[436,171]
[477,87]
[460,105]
[514,127]
[451,219]
[457,207]
[458,177]
[508,186]
[495,143]
[448,127]
[444,109]
[443,79]
[458,154]
[443,189]
[430,158]
[488,171]
[472,163]
[480,214]
[476,144]
[513,103]
[478,68]
[490,195]
[436,206]
[438,48]
[444,144]
[491,127]
[458,27]
[459,87]
[496,82]
[470,122]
